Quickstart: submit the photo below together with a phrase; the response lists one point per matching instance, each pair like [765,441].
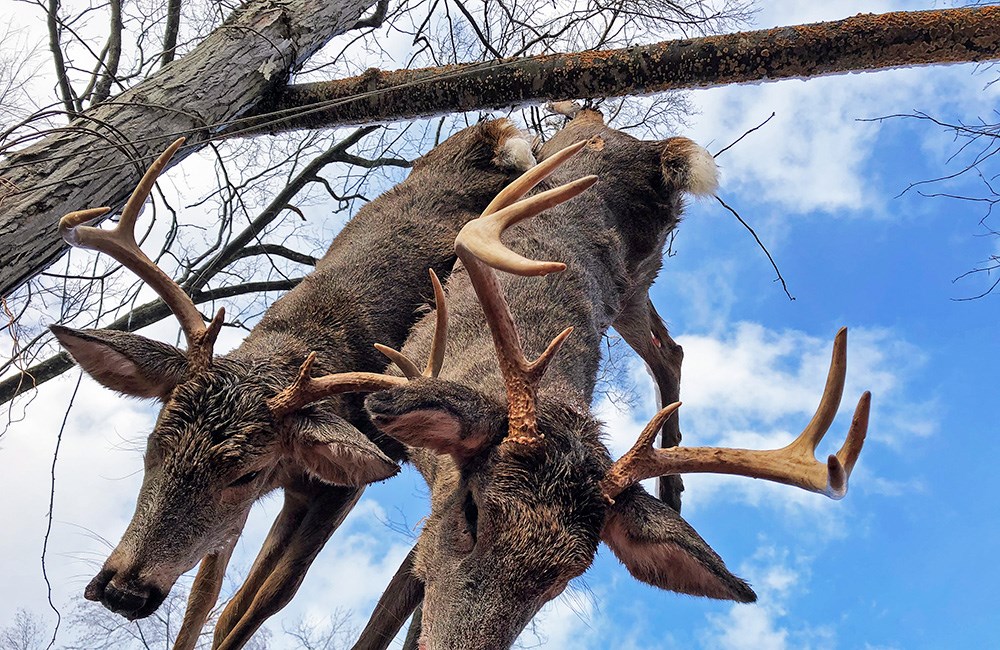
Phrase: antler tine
[841,464]
[120,244]
[631,468]
[403,362]
[436,359]
[307,389]
[523,184]
[807,441]
[478,246]
[481,237]
[440,341]
[794,464]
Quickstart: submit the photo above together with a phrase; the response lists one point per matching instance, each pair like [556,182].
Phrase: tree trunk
[99,157]
[864,42]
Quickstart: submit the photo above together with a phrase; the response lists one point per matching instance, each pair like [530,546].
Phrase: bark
[864,42]
[98,158]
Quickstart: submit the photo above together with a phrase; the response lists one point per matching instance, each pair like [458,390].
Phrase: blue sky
[906,560]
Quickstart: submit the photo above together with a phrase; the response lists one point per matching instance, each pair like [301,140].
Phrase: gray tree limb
[861,43]
[243,61]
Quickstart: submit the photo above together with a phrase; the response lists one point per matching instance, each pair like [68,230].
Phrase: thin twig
[759,243]
[745,134]
[52,500]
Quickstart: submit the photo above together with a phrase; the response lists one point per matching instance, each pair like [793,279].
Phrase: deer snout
[129,597]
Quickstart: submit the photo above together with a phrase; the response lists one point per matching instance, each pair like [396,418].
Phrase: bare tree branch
[863,42]
[102,89]
[376,19]
[171,31]
[69,100]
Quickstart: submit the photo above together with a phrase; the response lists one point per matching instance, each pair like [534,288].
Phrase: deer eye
[471,511]
[246,478]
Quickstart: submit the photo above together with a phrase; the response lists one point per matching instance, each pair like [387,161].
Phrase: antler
[794,465]
[120,244]
[305,389]
[478,246]
[436,358]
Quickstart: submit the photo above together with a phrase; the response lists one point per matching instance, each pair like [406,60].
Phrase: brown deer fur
[512,523]
[216,449]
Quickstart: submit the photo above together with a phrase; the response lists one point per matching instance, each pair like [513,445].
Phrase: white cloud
[778,577]
[815,154]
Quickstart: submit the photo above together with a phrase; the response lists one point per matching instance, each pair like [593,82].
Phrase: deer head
[221,441]
[523,491]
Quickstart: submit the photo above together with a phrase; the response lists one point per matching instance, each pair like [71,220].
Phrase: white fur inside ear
[438,430]
[345,464]
[703,173]
[516,154]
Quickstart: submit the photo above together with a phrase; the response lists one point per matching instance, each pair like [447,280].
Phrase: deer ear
[335,452]
[659,548]
[125,362]
[443,416]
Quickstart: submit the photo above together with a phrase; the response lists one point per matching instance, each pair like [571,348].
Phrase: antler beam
[794,464]
[479,247]
[120,244]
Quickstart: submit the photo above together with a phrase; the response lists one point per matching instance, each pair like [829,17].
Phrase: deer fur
[511,524]
[215,448]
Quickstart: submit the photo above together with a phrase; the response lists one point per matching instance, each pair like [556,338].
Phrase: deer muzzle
[128,596]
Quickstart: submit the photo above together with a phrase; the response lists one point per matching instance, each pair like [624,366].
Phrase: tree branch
[230,252]
[861,43]
[170,31]
[280,251]
[102,89]
[140,317]
[69,100]
[376,19]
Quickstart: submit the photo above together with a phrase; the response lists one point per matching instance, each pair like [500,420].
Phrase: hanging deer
[217,447]
[522,488]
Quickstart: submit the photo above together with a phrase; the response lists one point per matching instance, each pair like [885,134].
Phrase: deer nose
[130,598]
[126,602]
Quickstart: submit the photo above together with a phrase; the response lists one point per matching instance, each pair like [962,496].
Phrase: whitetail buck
[522,488]
[217,446]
